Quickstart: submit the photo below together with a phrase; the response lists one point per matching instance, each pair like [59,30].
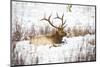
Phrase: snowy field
[72,50]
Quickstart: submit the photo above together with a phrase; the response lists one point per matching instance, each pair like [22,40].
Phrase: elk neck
[57,38]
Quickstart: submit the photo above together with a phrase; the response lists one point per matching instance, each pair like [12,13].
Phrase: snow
[73,49]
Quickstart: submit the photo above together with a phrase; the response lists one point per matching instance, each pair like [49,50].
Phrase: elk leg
[55,45]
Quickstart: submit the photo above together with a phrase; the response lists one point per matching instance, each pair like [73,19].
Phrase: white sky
[28,13]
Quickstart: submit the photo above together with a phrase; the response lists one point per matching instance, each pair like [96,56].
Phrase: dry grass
[92,42]
[78,31]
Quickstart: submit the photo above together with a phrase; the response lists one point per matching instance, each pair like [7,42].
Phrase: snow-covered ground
[71,50]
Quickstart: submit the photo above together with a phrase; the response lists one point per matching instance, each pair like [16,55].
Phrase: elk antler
[62,19]
[49,20]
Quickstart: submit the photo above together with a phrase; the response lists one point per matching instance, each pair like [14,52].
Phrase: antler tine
[49,17]
[57,16]
[44,17]
[63,22]
[53,25]
[63,16]
[64,26]
[62,19]
[49,20]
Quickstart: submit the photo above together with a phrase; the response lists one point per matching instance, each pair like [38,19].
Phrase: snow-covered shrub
[79,30]
[24,53]
[17,32]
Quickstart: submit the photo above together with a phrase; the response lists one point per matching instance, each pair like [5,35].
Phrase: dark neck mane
[57,38]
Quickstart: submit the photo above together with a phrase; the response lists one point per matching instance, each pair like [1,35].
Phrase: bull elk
[54,38]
